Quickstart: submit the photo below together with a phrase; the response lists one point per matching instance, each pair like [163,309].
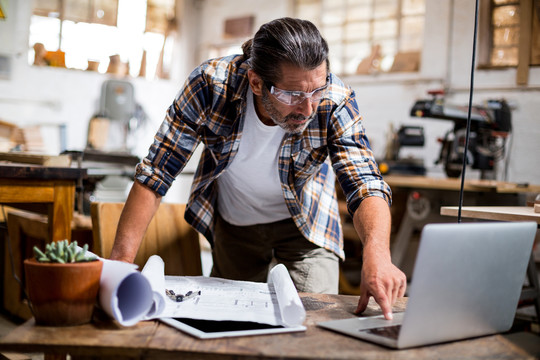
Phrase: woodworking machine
[491,125]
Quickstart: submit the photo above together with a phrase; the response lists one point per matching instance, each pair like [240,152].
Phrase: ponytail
[246,48]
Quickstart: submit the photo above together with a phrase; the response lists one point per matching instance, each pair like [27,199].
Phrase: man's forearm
[372,223]
[140,207]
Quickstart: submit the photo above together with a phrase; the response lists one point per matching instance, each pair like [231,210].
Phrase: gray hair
[286,40]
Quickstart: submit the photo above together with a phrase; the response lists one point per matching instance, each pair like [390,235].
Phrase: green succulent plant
[63,252]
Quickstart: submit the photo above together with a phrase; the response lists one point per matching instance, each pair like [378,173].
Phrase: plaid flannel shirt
[211,109]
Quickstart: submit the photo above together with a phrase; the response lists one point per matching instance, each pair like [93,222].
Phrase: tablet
[212,329]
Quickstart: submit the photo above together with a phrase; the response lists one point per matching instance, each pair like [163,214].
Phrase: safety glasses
[292,98]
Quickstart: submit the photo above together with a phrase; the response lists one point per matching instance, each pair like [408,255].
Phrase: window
[503,24]
[126,37]
[509,34]
[368,36]
[505,32]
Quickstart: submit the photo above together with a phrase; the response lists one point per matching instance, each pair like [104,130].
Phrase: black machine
[406,136]
[491,125]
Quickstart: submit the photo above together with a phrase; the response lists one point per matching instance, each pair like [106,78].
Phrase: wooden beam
[525,36]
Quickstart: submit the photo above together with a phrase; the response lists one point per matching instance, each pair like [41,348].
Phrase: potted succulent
[62,284]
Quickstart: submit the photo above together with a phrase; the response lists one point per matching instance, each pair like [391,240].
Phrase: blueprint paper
[291,308]
[154,271]
[130,296]
[124,293]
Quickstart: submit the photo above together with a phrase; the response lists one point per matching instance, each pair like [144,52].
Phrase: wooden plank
[60,195]
[23,228]
[535,42]
[496,213]
[423,182]
[104,223]
[168,235]
[517,188]
[38,172]
[100,339]
[37,159]
[61,211]
[176,241]
[25,193]
[14,356]
[525,37]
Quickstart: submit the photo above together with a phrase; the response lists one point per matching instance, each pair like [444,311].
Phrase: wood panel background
[168,236]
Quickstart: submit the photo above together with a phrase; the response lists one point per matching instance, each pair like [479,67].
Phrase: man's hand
[382,280]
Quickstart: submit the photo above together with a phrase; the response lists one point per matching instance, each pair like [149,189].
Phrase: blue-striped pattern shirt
[210,109]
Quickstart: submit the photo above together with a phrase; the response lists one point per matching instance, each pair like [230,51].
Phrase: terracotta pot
[62,294]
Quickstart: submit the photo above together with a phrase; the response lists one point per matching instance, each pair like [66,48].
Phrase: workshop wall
[489,84]
[63,100]
[57,96]
[446,62]
[386,99]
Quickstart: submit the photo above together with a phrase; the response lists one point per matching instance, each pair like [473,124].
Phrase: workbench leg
[61,211]
[402,240]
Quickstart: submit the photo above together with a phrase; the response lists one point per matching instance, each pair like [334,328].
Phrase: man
[272,122]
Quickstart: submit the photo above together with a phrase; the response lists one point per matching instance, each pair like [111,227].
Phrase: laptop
[466,282]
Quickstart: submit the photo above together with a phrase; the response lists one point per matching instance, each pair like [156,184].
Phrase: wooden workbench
[41,189]
[422,197]
[47,190]
[423,182]
[495,213]
[155,340]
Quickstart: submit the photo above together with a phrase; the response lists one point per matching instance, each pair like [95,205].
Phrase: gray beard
[284,122]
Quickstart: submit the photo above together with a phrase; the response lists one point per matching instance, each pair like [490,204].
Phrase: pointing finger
[385,305]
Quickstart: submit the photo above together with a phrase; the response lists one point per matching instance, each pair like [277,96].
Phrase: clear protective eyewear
[293,98]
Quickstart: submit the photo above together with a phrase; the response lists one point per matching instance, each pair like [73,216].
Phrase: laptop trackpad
[371,322]
[362,323]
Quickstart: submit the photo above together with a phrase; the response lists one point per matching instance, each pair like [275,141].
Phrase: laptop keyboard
[391,332]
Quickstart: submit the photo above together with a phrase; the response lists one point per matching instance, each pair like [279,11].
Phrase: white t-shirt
[249,191]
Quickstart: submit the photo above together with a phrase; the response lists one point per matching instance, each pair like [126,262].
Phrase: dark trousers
[247,252]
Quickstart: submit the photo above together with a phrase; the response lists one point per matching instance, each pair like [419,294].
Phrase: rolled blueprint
[130,296]
[291,308]
[125,294]
[154,271]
